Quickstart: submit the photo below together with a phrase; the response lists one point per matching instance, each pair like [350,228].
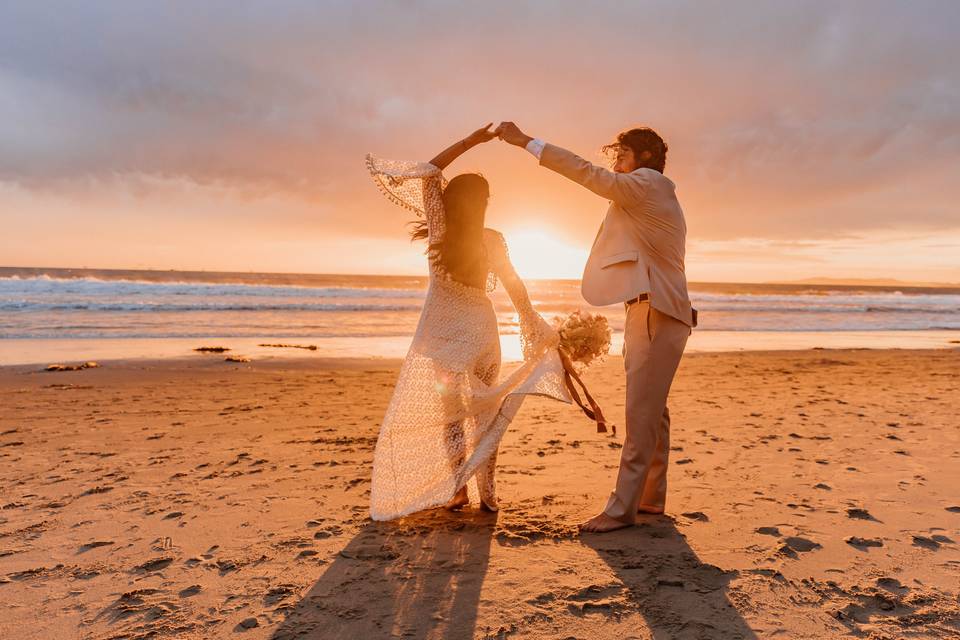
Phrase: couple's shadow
[678,595]
[417,577]
[421,577]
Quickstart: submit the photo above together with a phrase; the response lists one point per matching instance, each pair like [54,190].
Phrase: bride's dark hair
[461,251]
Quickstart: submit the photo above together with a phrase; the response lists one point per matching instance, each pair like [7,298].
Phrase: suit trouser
[653,343]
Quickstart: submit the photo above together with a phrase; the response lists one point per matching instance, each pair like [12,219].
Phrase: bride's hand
[451,153]
[483,134]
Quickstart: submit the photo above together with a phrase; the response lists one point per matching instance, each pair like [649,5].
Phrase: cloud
[785,120]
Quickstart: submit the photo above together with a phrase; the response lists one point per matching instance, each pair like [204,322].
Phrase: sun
[539,254]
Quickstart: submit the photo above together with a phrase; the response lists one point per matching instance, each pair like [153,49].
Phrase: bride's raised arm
[535,332]
[454,151]
[417,186]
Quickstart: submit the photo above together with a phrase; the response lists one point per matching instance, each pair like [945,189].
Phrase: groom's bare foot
[601,523]
[458,501]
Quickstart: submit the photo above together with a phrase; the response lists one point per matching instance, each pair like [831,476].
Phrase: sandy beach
[813,494]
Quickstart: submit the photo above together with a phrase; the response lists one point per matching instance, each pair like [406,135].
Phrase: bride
[450,408]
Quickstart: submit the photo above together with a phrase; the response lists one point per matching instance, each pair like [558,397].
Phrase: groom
[637,260]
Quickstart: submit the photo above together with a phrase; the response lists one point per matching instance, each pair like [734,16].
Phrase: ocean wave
[813,308]
[12,285]
[29,306]
[127,335]
[833,298]
[50,306]
[94,333]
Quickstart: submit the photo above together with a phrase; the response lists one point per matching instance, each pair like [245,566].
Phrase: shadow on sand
[418,577]
[421,577]
[678,595]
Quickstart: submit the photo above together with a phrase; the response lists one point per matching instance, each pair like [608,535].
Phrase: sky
[807,139]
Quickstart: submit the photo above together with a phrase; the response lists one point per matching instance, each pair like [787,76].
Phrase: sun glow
[537,253]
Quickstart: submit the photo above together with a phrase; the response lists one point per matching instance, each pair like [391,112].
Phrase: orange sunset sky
[807,139]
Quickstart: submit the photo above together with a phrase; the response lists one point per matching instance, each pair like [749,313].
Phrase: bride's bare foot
[459,500]
[602,523]
[654,510]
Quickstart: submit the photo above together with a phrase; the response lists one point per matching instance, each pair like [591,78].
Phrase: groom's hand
[509,132]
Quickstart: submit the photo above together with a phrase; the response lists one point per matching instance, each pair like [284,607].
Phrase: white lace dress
[450,408]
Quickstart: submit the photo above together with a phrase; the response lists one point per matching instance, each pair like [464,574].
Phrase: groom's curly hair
[641,139]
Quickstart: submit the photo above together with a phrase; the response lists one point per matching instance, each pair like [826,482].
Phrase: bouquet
[584,337]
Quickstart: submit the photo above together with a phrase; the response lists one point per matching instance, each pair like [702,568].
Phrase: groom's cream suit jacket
[640,245]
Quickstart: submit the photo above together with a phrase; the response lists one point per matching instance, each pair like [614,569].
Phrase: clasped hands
[506,131]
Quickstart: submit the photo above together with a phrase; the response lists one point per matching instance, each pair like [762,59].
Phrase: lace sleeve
[536,333]
[405,183]
[415,186]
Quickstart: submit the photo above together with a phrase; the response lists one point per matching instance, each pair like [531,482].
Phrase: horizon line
[816,280]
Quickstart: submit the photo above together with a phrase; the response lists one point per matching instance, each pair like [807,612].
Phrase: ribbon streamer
[593,412]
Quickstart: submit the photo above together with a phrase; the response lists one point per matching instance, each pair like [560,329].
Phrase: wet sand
[813,494]
[20,351]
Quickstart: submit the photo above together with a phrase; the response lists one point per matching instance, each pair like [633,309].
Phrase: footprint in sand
[696,515]
[926,542]
[156,564]
[860,514]
[863,543]
[279,593]
[192,590]
[795,544]
[247,623]
[892,584]
[801,544]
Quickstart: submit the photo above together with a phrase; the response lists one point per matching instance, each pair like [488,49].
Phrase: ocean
[376,315]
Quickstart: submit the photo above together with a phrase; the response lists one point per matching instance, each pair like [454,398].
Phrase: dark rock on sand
[309,347]
[71,367]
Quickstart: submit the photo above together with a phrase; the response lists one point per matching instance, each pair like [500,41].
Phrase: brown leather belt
[639,298]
